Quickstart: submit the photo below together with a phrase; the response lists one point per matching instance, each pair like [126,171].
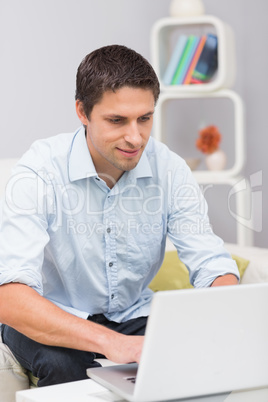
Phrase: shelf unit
[164,35]
[160,124]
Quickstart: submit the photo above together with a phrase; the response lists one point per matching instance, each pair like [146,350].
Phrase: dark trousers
[56,365]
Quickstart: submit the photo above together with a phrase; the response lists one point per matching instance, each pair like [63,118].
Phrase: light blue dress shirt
[91,249]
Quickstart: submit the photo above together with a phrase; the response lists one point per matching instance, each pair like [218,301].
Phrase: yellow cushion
[32,380]
[173,274]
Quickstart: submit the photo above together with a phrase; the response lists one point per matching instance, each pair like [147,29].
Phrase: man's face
[119,129]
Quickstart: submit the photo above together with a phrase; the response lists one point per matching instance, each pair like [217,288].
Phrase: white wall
[43,41]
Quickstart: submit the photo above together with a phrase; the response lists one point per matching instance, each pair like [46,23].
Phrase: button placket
[110,253]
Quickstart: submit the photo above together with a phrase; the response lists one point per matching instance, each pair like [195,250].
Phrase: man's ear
[80,112]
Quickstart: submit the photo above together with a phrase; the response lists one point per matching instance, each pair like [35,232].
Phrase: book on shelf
[186,61]
[183,60]
[174,60]
[194,60]
[199,48]
[208,61]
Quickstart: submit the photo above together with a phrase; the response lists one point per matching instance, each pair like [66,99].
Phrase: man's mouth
[129,153]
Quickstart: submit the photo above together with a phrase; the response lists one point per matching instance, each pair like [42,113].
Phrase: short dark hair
[110,68]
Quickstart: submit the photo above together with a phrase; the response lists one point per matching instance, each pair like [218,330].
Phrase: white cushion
[13,377]
[257,269]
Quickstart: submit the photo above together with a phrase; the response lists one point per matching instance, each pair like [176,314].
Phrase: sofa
[252,263]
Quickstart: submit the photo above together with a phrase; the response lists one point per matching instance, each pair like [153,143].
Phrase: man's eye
[115,121]
[144,118]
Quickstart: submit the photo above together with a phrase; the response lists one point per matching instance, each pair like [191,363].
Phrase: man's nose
[133,135]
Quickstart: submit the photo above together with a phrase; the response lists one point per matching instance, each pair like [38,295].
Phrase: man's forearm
[225,280]
[31,314]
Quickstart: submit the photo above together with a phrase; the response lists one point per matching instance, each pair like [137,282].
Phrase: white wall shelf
[161,124]
[162,47]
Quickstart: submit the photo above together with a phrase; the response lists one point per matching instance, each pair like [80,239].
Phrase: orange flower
[209,139]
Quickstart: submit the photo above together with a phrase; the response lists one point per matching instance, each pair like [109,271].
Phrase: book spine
[200,46]
[182,60]
[188,59]
[208,61]
[196,81]
[174,60]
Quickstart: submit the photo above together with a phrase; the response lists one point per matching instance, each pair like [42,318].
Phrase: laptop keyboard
[131,379]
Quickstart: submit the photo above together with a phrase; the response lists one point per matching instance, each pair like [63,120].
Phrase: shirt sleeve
[23,231]
[190,231]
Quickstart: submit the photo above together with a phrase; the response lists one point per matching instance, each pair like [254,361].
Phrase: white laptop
[197,342]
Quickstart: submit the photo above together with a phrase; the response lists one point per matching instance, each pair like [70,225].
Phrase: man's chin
[130,166]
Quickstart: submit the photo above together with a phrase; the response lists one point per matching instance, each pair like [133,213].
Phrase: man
[85,222]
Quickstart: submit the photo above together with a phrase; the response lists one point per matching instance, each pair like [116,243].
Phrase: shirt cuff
[213,269]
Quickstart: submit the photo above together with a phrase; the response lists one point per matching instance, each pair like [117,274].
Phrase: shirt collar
[81,165]
[80,161]
[143,168]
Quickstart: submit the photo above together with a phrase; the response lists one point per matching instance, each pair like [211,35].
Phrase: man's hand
[124,348]
[225,280]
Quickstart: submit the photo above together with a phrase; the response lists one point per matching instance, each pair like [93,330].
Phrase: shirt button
[108,230]
[112,296]
[97,179]
[110,264]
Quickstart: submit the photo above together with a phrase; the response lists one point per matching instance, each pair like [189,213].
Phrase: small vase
[216,160]
[186,8]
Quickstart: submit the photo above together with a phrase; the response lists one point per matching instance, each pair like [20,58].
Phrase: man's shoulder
[48,152]
[55,145]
